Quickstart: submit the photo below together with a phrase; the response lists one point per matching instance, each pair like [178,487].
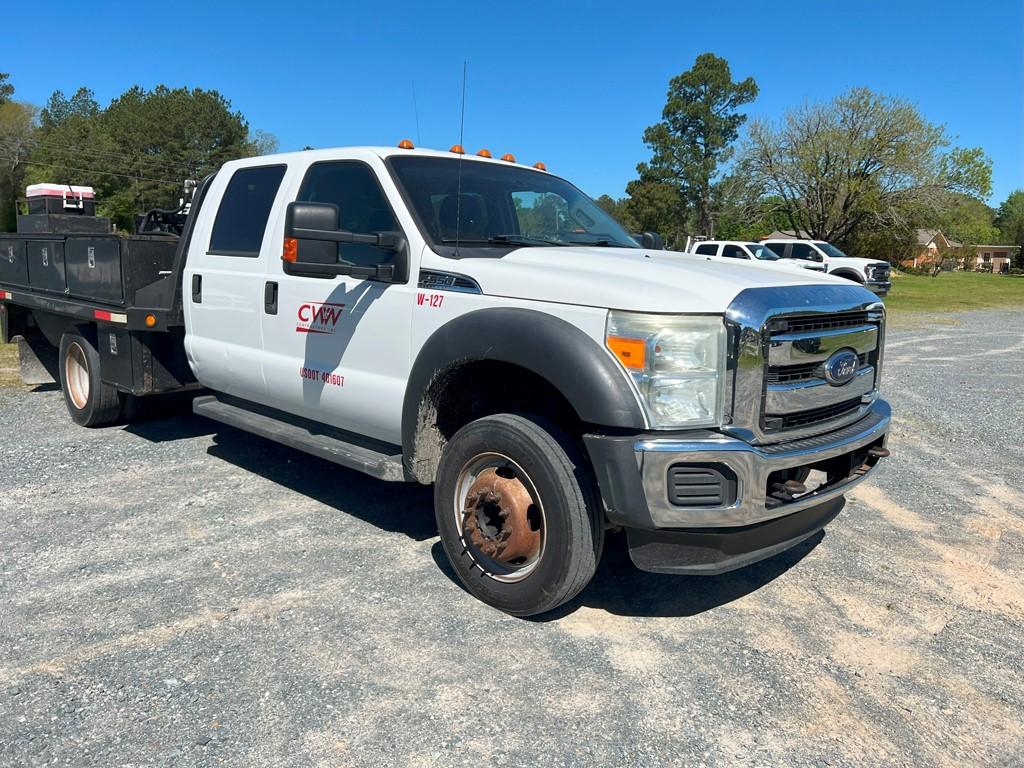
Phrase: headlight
[677,362]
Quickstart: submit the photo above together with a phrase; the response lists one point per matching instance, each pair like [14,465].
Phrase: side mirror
[652,240]
[311,238]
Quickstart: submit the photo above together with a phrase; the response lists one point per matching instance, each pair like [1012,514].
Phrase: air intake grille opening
[819,322]
[814,416]
[693,485]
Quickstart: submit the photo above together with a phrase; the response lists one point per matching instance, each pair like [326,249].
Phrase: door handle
[270,298]
[197,289]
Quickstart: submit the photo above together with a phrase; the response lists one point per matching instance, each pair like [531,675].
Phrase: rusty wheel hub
[500,518]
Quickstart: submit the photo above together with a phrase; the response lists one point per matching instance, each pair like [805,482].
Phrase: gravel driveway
[178,593]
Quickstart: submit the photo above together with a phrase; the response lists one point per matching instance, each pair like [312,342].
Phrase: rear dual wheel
[518,513]
[90,401]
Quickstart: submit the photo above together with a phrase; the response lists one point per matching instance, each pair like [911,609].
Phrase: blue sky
[572,84]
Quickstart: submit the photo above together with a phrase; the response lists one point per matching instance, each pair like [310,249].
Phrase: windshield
[831,250]
[762,252]
[501,207]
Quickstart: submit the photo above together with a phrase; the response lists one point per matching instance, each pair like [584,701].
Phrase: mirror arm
[388,240]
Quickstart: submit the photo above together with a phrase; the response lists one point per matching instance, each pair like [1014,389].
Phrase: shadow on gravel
[619,587]
[395,507]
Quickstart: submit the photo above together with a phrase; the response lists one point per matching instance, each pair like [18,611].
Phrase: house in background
[933,246]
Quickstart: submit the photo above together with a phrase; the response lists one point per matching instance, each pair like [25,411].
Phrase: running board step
[282,429]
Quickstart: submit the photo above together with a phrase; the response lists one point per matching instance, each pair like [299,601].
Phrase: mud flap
[38,361]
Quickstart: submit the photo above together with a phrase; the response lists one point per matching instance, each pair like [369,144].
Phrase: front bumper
[633,474]
[878,287]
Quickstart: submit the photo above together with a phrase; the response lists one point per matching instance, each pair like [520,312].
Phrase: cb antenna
[416,112]
[462,151]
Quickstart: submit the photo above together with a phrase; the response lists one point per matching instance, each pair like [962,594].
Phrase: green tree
[139,150]
[6,89]
[17,131]
[1010,222]
[700,123]
[861,162]
[967,220]
[653,206]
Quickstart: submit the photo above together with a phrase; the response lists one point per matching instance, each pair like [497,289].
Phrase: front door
[337,350]
[223,280]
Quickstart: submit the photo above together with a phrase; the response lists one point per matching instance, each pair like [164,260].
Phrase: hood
[626,278]
[856,263]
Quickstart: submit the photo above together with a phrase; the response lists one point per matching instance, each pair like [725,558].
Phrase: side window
[778,248]
[707,249]
[733,252]
[244,210]
[805,252]
[362,207]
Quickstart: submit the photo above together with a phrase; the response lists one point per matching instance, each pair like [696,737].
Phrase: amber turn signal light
[150,321]
[632,353]
[291,250]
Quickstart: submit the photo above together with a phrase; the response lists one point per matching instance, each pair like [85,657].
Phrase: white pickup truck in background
[484,327]
[751,251]
[871,273]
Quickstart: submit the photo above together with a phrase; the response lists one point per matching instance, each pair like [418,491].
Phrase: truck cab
[871,273]
[484,327]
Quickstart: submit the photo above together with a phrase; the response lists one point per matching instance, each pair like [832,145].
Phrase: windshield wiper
[523,240]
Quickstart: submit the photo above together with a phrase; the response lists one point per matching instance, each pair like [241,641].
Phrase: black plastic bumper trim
[711,551]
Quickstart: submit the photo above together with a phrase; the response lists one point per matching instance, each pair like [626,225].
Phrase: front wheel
[518,513]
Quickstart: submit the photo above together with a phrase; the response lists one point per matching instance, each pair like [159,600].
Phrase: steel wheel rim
[493,568]
[76,374]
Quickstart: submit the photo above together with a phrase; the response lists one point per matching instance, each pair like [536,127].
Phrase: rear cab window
[244,210]
[707,249]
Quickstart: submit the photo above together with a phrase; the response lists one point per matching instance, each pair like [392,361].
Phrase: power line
[93,171]
[54,146]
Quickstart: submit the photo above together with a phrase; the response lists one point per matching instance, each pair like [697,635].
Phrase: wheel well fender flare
[557,351]
[849,274]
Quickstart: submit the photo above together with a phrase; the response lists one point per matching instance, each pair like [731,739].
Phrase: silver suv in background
[745,249]
[871,273]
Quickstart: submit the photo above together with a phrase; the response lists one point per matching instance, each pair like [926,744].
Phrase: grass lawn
[954,292]
[9,366]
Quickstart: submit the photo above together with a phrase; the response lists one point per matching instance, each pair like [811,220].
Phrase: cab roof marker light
[508,157]
[457,149]
[405,144]
[540,166]
[484,153]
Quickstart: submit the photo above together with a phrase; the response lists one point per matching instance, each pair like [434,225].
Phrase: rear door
[337,350]
[224,278]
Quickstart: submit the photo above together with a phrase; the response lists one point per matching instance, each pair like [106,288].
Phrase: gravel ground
[177,593]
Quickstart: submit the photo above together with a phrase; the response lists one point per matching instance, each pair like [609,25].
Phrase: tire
[563,502]
[90,402]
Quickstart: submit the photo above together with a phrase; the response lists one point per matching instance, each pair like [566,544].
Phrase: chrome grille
[783,374]
[817,415]
[781,338]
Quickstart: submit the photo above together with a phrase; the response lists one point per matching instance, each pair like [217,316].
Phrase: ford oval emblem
[841,367]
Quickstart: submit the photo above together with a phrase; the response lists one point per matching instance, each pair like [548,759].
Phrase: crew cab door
[223,281]
[337,349]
